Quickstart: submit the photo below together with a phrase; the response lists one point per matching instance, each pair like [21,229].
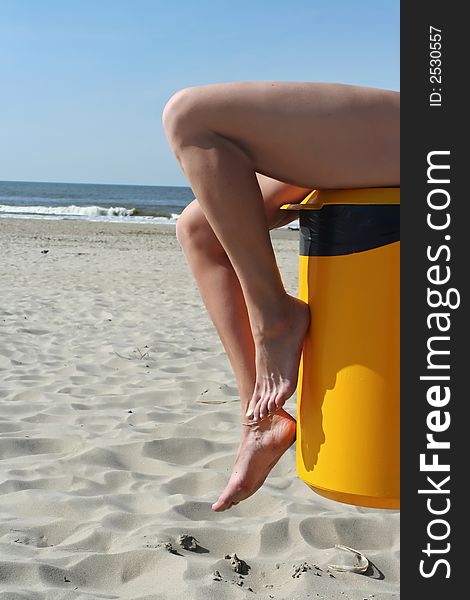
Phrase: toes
[284,395]
[264,403]
[256,407]
[279,401]
[231,498]
[252,405]
[261,409]
[264,410]
[272,406]
[224,502]
[221,504]
[269,404]
[256,411]
[216,506]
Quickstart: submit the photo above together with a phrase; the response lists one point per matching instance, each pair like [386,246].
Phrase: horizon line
[92,183]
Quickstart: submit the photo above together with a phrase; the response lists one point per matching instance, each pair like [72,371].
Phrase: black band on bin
[337,229]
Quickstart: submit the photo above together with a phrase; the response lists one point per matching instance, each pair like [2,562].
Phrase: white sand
[119,424]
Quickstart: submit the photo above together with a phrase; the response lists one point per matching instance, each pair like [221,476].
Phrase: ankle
[273,322]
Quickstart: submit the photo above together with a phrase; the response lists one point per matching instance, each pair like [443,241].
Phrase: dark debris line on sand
[188,542]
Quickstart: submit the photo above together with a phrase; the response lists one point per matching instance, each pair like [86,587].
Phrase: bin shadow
[351,332]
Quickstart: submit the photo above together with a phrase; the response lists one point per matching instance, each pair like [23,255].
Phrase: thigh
[313,135]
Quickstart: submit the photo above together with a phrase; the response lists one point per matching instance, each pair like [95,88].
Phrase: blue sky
[83,83]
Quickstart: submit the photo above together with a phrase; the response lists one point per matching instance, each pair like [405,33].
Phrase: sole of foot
[262,445]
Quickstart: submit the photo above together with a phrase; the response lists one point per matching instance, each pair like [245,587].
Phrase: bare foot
[261,446]
[278,354]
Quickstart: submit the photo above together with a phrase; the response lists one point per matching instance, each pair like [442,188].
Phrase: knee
[193,232]
[186,227]
[181,114]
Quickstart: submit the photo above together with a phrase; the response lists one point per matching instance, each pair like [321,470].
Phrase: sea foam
[94,213]
[85,211]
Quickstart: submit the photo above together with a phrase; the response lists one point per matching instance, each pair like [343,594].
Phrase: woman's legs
[310,135]
[218,283]
[260,447]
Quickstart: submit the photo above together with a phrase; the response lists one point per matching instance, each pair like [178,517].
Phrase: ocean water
[95,202]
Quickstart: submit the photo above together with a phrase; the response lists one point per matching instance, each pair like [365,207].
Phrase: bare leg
[308,134]
[260,446]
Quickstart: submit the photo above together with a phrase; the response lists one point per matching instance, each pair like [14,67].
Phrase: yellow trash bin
[348,437]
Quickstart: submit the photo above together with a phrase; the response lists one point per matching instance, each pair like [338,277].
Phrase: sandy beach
[119,426]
